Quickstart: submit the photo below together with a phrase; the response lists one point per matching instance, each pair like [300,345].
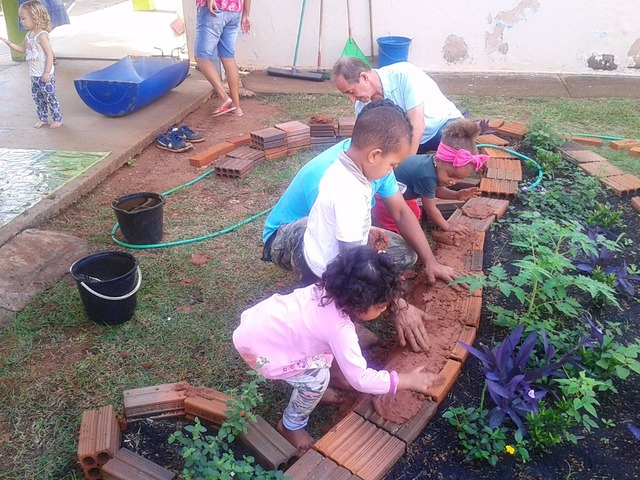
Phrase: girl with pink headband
[429,176]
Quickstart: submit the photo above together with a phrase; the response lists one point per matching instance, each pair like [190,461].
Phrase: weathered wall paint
[500,35]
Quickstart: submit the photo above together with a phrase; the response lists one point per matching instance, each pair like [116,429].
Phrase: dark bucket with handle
[108,283]
[140,217]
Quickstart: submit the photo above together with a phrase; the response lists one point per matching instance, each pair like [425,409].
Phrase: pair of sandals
[178,139]
[227,108]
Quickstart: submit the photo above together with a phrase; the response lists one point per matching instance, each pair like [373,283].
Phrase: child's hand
[467,193]
[419,380]
[45,77]
[459,228]
[5,40]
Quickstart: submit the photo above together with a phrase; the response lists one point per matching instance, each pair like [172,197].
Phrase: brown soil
[378,239]
[478,211]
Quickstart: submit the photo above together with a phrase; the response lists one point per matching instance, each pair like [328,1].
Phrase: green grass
[55,363]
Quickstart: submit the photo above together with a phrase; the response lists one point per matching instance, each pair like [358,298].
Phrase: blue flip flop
[172,143]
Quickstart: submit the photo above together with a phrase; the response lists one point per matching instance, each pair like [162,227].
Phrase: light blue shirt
[300,195]
[408,86]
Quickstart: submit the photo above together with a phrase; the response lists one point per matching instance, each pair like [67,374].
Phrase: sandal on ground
[172,143]
[186,133]
[222,111]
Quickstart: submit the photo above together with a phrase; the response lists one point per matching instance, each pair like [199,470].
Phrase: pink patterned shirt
[285,335]
[228,5]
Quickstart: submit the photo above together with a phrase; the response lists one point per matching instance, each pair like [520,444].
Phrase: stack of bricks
[322,133]
[345,126]
[271,140]
[99,440]
[298,135]
[239,162]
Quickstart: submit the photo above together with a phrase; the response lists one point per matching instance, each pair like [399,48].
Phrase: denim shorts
[220,31]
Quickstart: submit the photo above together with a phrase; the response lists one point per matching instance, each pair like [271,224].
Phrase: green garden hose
[188,240]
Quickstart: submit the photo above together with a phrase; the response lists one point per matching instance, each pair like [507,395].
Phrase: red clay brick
[497,153]
[578,157]
[478,243]
[314,466]
[496,123]
[213,410]
[468,336]
[268,446]
[476,224]
[600,169]
[514,130]
[99,440]
[635,152]
[504,163]
[408,431]
[621,185]
[635,203]
[361,447]
[624,144]
[450,372]
[241,140]
[211,154]
[492,139]
[592,141]
[157,401]
[127,465]
[474,311]
[500,173]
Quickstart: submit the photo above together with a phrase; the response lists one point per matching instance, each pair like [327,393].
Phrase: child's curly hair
[359,278]
[461,133]
[39,14]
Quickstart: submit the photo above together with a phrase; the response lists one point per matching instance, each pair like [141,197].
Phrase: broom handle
[320,36]
[349,18]
[295,54]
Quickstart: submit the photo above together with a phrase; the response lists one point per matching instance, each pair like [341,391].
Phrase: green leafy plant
[541,135]
[581,390]
[550,427]
[549,161]
[605,216]
[210,457]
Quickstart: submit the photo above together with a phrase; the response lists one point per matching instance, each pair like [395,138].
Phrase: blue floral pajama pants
[44,94]
[308,388]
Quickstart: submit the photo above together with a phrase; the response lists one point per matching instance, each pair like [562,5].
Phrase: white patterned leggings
[308,388]
[44,94]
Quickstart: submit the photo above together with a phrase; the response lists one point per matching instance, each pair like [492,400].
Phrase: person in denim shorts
[217,27]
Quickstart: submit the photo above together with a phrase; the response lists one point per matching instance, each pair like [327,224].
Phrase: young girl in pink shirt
[295,337]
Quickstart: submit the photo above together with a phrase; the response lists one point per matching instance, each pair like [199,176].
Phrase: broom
[293,72]
[351,49]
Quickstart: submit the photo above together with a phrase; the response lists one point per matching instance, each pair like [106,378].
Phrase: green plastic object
[351,49]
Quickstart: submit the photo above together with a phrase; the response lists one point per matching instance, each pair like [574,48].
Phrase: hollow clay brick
[448,205]
[635,152]
[622,185]
[157,401]
[478,242]
[514,130]
[504,163]
[314,466]
[592,141]
[241,140]
[361,447]
[211,154]
[635,203]
[212,410]
[408,431]
[270,448]
[578,157]
[450,373]
[127,465]
[468,336]
[496,122]
[476,224]
[491,139]
[624,144]
[99,440]
[474,311]
[600,169]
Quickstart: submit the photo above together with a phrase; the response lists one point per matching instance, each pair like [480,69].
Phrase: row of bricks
[364,445]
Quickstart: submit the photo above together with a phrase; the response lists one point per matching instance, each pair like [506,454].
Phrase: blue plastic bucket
[393,50]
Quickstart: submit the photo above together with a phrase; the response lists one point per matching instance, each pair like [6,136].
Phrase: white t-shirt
[408,86]
[342,212]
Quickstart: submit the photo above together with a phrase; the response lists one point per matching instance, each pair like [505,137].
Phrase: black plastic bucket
[140,217]
[108,282]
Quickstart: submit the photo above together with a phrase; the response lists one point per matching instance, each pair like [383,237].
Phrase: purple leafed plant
[511,384]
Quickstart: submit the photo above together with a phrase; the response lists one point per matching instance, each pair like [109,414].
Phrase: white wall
[454,35]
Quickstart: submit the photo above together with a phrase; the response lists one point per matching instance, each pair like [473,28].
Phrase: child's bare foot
[40,124]
[55,125]
[298,438]
[331,397]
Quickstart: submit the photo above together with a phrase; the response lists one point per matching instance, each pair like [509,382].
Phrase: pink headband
[460,158]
